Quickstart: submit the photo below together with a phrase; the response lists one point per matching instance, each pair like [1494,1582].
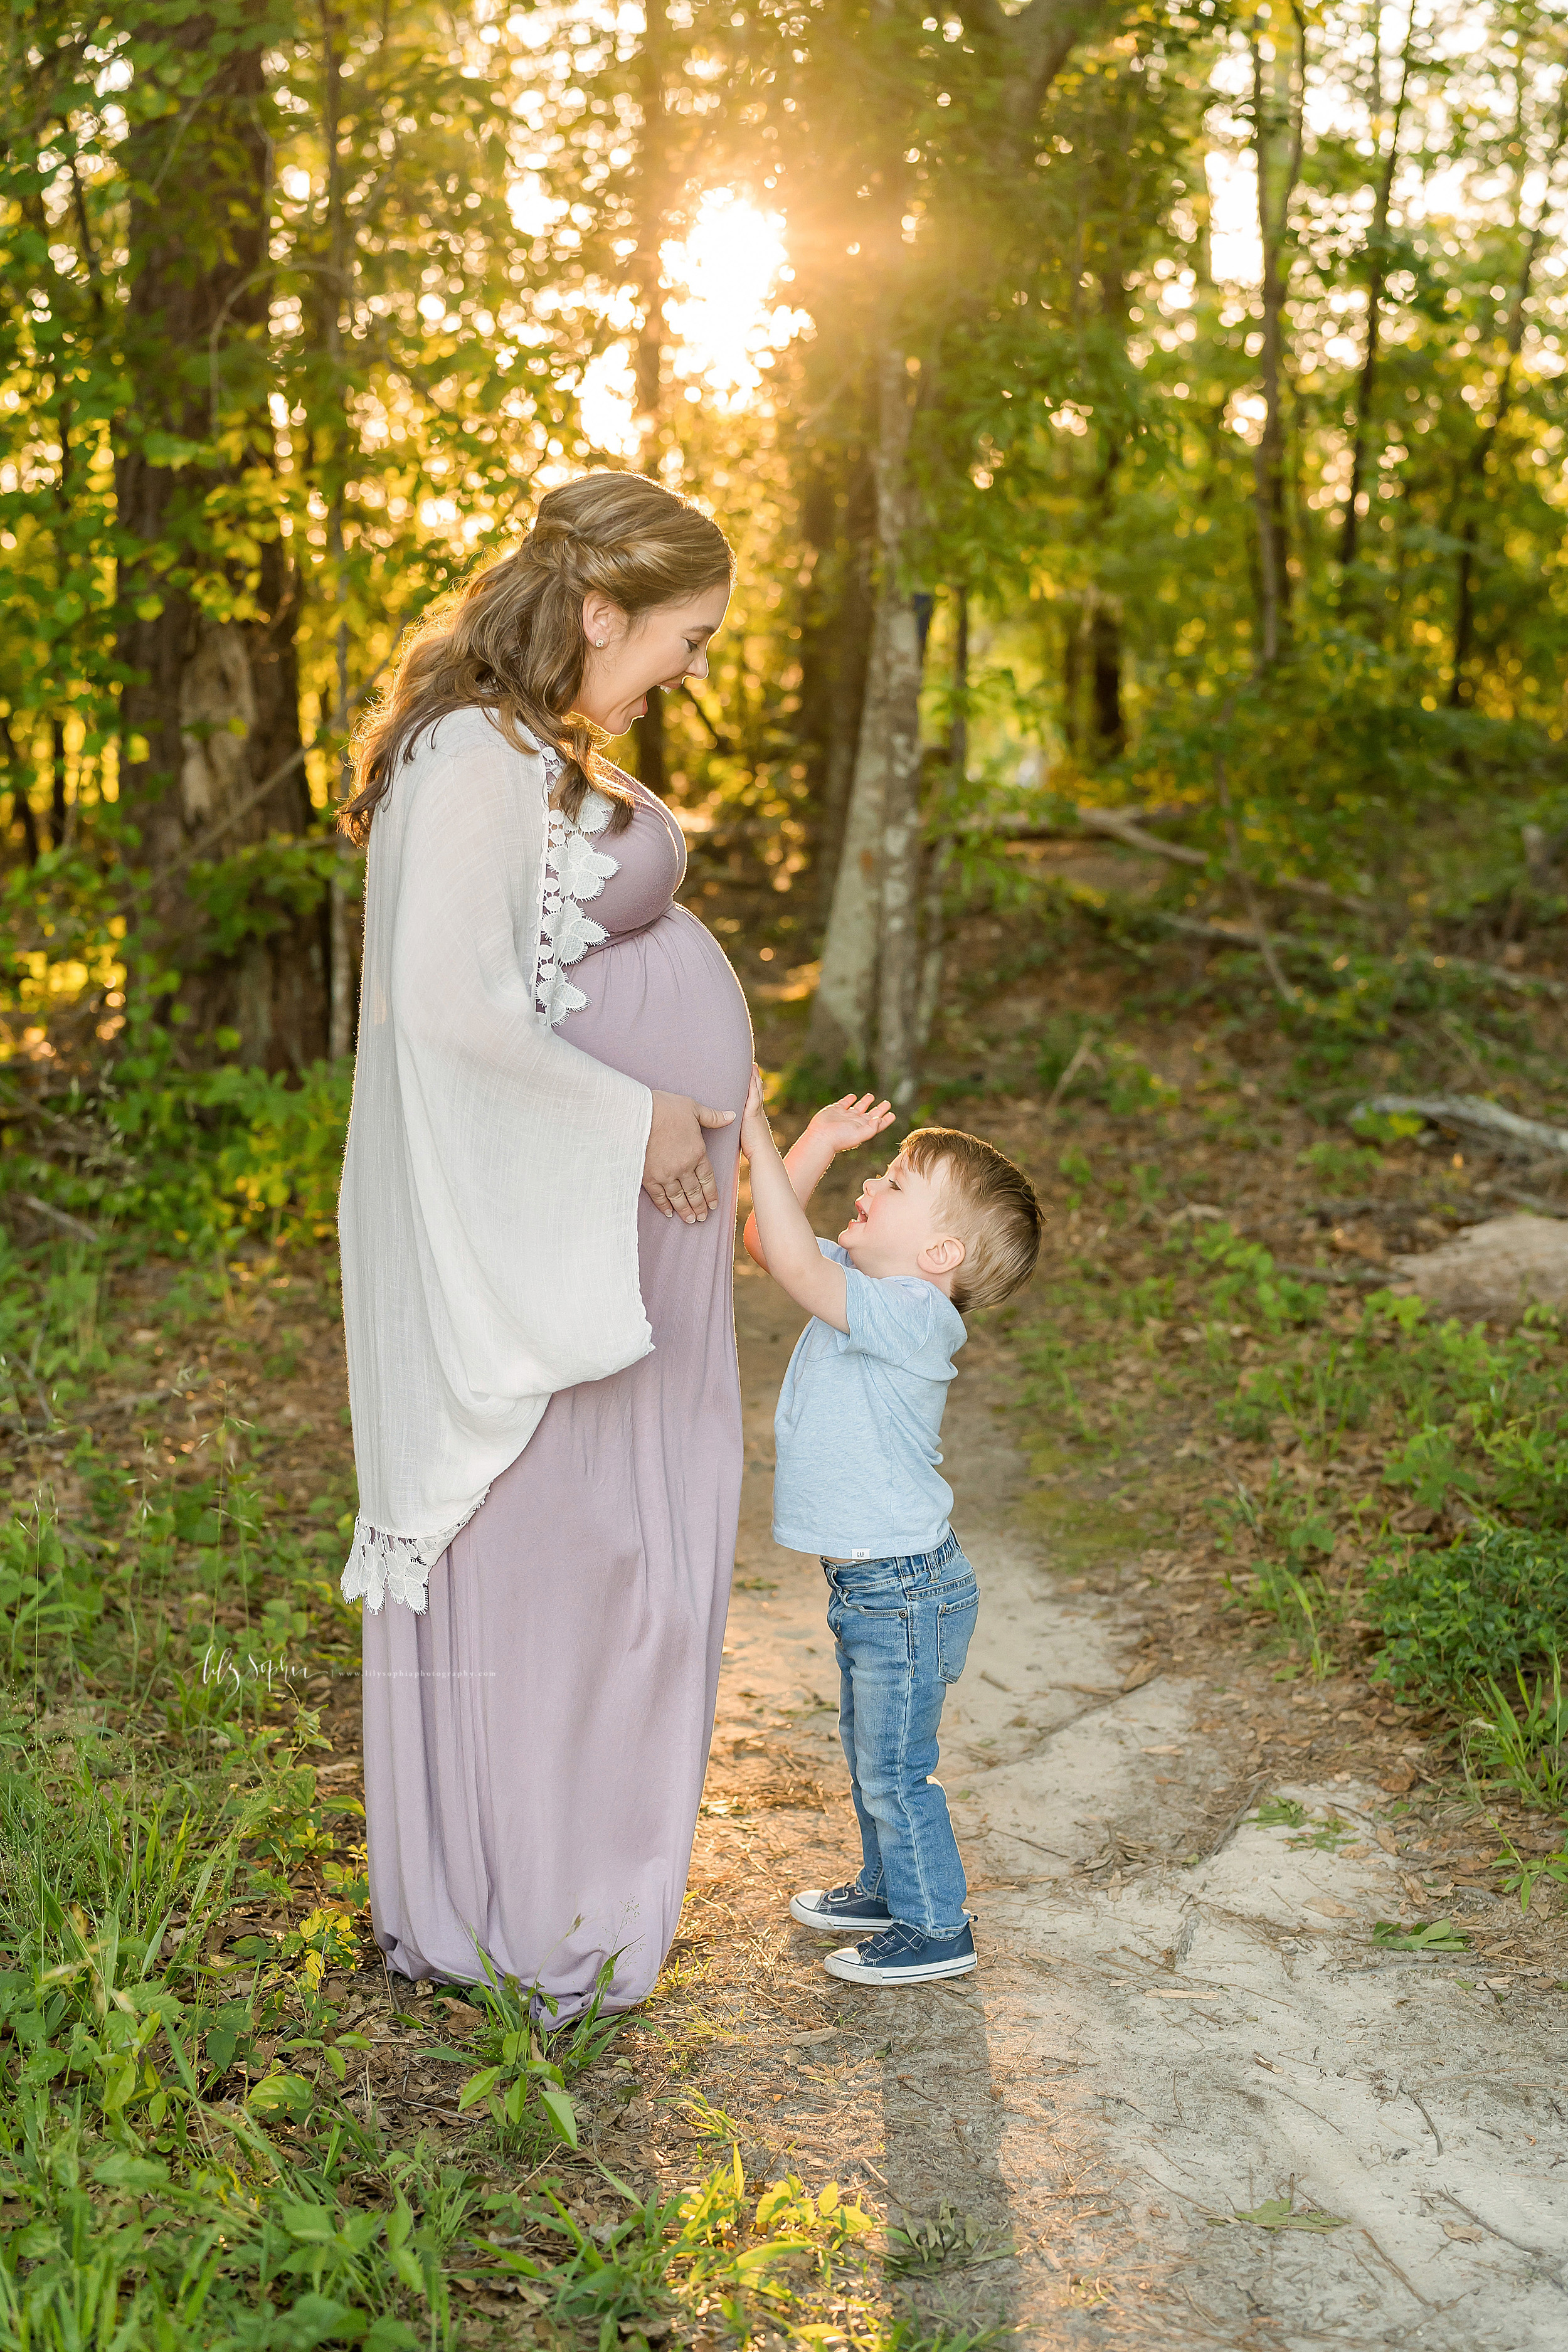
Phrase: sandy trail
[1145,2053]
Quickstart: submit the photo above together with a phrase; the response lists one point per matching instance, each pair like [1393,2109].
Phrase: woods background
[1138,735]
[1153,408]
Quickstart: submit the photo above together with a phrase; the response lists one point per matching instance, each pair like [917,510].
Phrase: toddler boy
[950,1225]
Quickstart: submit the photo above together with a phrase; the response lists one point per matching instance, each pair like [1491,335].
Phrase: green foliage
[1450,1620]
[1282,2213]
[1523,1745]
[1280,1813]
[949,2239]
[190,1161]
[1409,1413]
[1079,1058]
[1433,1936]
[1342,1167]
[1521,1876]
[522,2082]
[1321,1836]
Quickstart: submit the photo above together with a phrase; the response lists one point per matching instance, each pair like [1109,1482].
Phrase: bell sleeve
[489,1205]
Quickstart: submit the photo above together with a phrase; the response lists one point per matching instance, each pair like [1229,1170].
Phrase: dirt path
[1179,2016]
[1193,2027]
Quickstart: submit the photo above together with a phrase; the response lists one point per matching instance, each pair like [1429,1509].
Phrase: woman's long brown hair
[511,642]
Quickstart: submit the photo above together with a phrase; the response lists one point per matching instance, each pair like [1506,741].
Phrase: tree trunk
[883,823]
[215,701]
[57,806]
[341,983]
[1268,457]
[898,976]
[1461,691]
[846,649]
[1105,654]
[18,778]
[871,959]
[652,226]
[1378,273]
[1072,677]
[939,854]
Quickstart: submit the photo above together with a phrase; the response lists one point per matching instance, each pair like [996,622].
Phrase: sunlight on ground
[724,321]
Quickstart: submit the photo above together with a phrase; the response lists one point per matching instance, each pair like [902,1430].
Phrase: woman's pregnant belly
[664,1007]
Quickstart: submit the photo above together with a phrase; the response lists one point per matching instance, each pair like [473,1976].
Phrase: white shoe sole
[803,1916]
[845,1965]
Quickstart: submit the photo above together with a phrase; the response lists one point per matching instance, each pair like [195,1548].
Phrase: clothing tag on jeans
[861,1555]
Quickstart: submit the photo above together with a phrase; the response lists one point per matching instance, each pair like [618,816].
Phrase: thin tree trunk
[1268,457]
[1105,652]
[56,784]
[1461,691]
[1377,274]
[939,855]
[21,803]
[1072,677]
[870,959]
[339,942]
[854,626]
[845,993]
[216,701]
[652,228]
[899,973]
[879,865]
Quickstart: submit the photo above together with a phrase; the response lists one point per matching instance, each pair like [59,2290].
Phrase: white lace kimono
[489,1215]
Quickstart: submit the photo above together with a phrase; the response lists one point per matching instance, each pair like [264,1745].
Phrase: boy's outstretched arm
[842,1125]
[788,1247]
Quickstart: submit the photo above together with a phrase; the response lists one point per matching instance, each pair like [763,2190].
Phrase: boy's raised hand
[854,1119]
[754,1118]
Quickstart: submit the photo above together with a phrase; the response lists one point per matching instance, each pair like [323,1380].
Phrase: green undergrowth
[191,2150]
[1384,1487]
[157,1157]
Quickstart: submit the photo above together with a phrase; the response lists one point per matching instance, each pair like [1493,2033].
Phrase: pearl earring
[599,641]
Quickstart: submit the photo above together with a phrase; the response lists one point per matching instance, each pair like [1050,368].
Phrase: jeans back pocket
[955,1622]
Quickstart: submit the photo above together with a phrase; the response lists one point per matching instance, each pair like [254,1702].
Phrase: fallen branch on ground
[77,1227]
[1470,1110]
[1326,952]
[1122,826]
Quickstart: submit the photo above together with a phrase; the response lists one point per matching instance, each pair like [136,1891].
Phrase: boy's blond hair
[998,1218]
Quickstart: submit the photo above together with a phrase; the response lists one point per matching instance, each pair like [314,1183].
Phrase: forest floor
[1187,2098]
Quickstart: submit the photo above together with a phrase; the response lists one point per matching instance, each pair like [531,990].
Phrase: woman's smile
[629,658]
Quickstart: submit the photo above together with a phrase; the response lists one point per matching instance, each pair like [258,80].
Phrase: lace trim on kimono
[574,872]
[382,1567]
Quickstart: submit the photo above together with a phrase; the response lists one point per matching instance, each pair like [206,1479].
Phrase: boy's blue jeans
[903,1629]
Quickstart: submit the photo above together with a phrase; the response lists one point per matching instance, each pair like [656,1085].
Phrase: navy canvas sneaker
[839,1910]
[902,1956]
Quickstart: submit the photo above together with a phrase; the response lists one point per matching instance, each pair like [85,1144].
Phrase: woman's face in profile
[659,648]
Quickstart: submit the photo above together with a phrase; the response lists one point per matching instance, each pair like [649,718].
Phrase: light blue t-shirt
[858,1419]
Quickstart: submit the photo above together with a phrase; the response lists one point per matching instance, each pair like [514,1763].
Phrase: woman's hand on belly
[677,1175]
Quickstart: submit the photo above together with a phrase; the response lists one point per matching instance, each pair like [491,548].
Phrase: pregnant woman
[538,1219]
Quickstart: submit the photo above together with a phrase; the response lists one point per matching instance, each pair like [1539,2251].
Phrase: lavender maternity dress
[535,1744]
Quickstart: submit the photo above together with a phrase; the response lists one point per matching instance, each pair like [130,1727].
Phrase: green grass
[1355,1412]
[190,2152]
